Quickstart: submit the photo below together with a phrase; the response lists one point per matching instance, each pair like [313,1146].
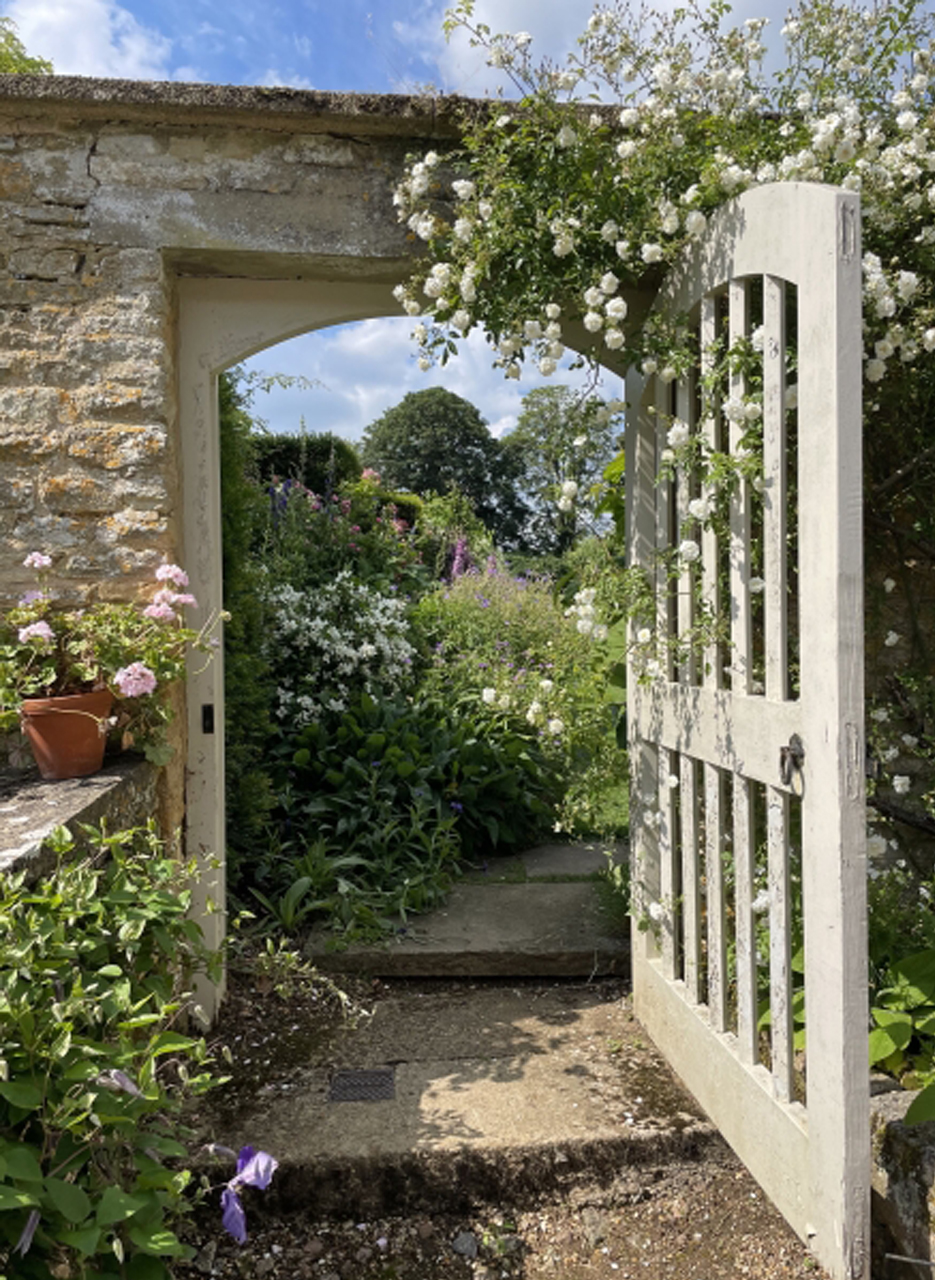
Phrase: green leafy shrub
[509,645]
[376,806]
[321,462]
[95,961]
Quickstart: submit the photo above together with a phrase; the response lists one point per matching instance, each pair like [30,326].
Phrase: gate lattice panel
[745,707]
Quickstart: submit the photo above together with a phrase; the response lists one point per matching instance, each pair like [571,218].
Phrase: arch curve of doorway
[221,322]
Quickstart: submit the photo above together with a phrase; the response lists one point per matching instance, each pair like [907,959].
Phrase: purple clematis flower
[25,1241]
[254,1169]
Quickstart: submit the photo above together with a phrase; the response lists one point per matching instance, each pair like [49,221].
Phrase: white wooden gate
[747,753]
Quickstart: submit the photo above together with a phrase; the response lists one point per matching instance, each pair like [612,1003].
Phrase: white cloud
[91,38]
[273,79]
[366,368]
[462,69]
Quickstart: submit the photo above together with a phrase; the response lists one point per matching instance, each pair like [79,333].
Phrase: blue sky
[367,46]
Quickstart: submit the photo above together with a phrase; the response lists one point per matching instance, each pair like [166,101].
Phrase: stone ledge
[903,1174]
[405,115]
[123,793]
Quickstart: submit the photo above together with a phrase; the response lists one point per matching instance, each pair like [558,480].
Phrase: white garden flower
[644,635]
[609,283]
[678,434]
[565,504]
[699,508]
[652,253]
[547,366]
[489,695]
[760,904]
[463,188]
[556,726]
[889,584]
[689,550]
[901,784]
[657,911]
[593,321]
[616,309]
[695,223]
[569,489]
[614,339]
[566,136]
[546,685]
[892,639]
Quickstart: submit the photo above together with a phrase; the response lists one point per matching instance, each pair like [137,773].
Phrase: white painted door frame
[221,322]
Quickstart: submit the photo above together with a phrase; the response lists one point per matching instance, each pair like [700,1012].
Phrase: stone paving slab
[582,858]
[505,930]
[492,1084]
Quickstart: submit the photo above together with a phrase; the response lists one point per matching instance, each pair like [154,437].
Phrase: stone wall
[110,192]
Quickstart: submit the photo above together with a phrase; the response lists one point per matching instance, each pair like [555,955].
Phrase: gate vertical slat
[717,926]
[780,949]
[713,676]
[685,607]
[741,637]
[668,888]
[664,620]
[691,885]
[743,850]
[775,488]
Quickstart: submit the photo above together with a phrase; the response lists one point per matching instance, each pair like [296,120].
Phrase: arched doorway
[220,322]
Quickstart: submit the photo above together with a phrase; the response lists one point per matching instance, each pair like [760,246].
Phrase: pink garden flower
[135,680]
[36,560]
[172,573]
[161,612]
[36,631]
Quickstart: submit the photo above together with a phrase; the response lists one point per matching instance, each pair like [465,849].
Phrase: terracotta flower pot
[67,734]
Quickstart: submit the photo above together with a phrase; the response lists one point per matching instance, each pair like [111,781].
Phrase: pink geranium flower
[36,560]
[36,631]
[135,680]
[172,573]
[161,612]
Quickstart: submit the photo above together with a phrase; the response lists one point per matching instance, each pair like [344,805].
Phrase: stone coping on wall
[406,115]
[123,793]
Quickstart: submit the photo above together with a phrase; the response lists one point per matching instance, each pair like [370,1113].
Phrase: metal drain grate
[376,1084]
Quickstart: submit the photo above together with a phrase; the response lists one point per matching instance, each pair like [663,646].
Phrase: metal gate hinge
[791,760]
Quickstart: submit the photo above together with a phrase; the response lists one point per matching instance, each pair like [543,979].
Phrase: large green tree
[558,451]
[434,441]
[13,56]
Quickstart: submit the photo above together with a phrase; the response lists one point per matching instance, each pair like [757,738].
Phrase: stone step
[511,919]
[468,1093]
